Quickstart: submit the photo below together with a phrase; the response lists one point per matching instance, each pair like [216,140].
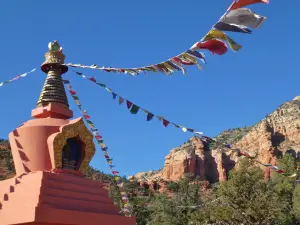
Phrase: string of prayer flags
[241,3]
[244,17]
[134,108]
[17,77]
[235,19]
[168,67]
[99,139]
[215,46]
[217,34]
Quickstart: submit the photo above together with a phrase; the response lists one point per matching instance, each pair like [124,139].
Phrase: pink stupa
[51,154]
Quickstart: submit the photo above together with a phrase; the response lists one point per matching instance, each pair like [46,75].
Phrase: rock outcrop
[269,139]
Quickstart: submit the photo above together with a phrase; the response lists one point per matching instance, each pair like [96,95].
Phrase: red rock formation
[269,139]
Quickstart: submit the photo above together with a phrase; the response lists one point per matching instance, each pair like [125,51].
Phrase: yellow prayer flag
[214,33]
[192,59]
[171,69]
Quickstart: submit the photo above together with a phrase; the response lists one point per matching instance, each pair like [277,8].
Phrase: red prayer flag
[92,79]
[214,46]
[241,3]
[115,172]
[165,122]
[129,104]
[177,59]
[72,92]
[86,116]
[280,171]
[98,137]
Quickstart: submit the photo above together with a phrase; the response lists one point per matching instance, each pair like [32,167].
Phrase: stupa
[51,154]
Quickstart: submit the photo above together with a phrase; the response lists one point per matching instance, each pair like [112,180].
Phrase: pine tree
[244,199]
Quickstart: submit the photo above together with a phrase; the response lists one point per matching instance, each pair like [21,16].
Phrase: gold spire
[53,90]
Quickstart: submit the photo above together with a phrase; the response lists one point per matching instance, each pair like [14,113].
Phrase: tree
[296,203]
[244,199]
[284,187]
[176,210]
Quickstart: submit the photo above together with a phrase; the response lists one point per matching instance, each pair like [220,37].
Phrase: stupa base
[45,198]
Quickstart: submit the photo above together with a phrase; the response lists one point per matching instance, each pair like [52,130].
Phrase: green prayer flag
[233,45]
[102,85]
[134,109]
[100,141]
[75,97]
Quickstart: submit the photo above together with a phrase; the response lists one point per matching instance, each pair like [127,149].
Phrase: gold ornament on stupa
[53,90]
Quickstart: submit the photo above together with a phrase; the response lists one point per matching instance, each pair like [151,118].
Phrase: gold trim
[77,129]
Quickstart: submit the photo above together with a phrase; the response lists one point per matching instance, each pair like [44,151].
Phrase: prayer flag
[165,122]
[75,97]
[66,81]
[267,165]
[150,116]
[92,79]
[129,104]
[192,59]
[102,85]
[241,3]
[173,65]
[162,69]
[121,100]
[150,68]
[244,17]
[100,141]
[114,95]
[98,137]
[86,116]
[215,46]
[175,125]
[294,175]
[190,130]
[199,55]
[232,27]
[184,129]
[179,65]
[168,67]
[212,34]
[72,92]
[280,171]
[134,109]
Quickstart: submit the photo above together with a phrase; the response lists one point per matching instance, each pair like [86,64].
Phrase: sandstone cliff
[269,139]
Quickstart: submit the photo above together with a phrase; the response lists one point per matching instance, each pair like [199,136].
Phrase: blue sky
[234,90]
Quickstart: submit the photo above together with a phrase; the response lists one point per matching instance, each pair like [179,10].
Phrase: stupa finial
[54,56]
[53,90]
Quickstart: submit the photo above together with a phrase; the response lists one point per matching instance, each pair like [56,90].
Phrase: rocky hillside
[269,139]
[7,169]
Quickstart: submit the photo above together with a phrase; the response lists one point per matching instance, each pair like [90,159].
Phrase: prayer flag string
[17,77]
[134,108]
[235,19]
[126,207]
